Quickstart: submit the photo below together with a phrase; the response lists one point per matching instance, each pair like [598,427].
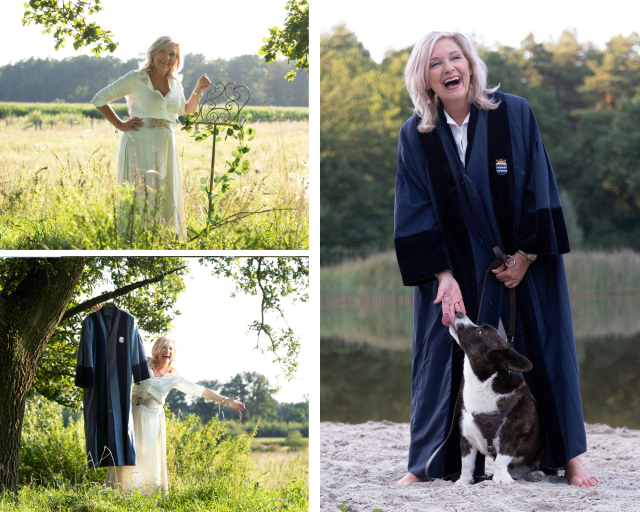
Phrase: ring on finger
[509,283]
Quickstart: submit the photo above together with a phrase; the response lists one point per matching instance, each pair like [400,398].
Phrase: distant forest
[78,79]
[586,101]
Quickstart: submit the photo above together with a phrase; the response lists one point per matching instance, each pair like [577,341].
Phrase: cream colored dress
[148,158]
[150,472]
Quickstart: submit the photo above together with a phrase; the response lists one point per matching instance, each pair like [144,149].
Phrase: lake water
[365,362]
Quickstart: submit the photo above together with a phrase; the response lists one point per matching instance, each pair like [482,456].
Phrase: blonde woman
[150,472]
[148,157]
[473,177]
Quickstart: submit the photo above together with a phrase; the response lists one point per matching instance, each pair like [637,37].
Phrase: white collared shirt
[142,99]
[459,134]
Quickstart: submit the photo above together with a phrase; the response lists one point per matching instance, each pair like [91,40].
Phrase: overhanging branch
[115,294]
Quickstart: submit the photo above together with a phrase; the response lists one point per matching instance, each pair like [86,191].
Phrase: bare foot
[575,473]
[408,479]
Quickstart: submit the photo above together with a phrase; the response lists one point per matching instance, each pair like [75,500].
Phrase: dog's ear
[509,359]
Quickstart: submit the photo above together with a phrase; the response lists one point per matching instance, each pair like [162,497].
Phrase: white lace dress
[148,158]
[150,472]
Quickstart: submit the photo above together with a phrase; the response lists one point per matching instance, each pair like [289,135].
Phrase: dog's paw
[503,479]
[464,481]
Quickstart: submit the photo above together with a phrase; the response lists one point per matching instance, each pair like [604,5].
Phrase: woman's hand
[203,83]
[511,276]
[95,308]
[133,123]
[232,403]
[449,294]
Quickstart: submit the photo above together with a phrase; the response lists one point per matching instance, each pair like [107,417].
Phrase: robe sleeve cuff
[421,256]
[544,233]
[84,377]
[140,372]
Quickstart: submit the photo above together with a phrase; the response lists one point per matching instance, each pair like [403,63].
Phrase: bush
[295,441]
[277,428]
[51,453]
[208,469]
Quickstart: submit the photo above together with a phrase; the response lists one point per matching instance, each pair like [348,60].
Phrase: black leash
[500,259]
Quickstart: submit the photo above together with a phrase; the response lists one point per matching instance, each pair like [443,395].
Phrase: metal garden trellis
[212,111]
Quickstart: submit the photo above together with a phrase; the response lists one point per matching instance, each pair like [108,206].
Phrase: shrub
[295,441]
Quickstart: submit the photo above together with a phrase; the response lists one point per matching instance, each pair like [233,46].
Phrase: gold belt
[151,403]
[150,122]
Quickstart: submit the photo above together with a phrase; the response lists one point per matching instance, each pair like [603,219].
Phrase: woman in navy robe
[473,174]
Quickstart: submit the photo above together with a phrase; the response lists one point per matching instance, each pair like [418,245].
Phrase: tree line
[585,99]
[274,419]
[78,79]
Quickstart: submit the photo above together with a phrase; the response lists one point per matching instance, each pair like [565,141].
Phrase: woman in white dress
[150,472]
[148,157]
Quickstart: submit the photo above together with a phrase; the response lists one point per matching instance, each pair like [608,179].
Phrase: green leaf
[229,131]
[343,507]
[203,180]
[245,164]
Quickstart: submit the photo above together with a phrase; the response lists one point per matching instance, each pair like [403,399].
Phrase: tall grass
[207,468]
[58,190]
[378,275]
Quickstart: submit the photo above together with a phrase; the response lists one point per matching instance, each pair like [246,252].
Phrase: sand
[359,461]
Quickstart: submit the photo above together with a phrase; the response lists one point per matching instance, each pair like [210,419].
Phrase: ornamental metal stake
[210,112]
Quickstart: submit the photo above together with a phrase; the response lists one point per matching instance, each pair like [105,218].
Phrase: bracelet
[198,94]
[530,257]
[224,401]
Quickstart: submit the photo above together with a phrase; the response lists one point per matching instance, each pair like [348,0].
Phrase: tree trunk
[29,316]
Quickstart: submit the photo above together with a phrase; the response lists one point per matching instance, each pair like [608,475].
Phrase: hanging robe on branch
[110,355]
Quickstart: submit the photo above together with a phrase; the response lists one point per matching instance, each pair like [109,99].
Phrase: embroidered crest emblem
[121,339]
[501,167]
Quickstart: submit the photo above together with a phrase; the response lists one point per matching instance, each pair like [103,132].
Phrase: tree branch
[115,294]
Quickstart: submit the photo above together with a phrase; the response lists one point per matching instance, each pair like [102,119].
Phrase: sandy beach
[359,461]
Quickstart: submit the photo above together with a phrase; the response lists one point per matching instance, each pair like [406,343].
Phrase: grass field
[58,188]
[208,470]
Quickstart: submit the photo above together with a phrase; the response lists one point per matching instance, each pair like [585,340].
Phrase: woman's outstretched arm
[231,403]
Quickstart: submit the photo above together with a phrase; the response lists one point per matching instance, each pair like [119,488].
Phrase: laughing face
[166,354]
[449,74]
[165,59]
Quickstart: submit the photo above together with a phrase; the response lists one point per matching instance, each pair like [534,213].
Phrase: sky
[383,26]
[217,30]
[211,334]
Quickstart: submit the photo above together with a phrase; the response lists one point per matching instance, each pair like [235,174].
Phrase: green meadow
[208,470]
[58,170]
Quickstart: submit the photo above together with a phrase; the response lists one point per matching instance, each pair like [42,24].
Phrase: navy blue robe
[447,216]
[108,359]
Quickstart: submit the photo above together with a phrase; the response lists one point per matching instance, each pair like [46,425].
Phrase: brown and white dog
[493,387]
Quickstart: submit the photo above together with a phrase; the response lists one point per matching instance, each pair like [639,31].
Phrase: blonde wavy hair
[416,74]
[157,348]
[156,46]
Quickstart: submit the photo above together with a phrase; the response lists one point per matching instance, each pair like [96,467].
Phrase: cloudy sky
[381,26]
